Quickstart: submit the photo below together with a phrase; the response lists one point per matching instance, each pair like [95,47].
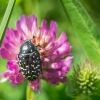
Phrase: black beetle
[29,61]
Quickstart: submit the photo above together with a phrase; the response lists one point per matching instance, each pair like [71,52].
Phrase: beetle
[29,61]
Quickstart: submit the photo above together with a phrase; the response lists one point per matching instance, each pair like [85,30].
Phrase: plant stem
[29,93]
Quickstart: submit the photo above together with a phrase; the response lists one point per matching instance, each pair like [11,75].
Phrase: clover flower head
[54,53]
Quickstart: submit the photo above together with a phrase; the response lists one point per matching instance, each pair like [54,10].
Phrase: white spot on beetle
[32,65]
[33,71]
[25,47]
[31,50]
[34,61]
[26,66]
[33,56]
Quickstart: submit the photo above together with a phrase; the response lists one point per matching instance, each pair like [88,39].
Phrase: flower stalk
[29,93]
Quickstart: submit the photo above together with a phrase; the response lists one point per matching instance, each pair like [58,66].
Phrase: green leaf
[84,28]
[6,18]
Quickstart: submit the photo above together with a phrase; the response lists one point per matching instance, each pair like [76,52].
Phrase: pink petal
[20,31]
[22,27]
[7,74]
[35,85]
[43,26]
[50,46]
[6,55]
[19,38]
[53,36]
[47,75]
[23,24]
[64,49]
[55,65]
[44,34]
[68,61]
[13,73]
[62,39]
[53,27]
[65,70]
[16,80]
[53,81]
[32,24]
[13,66]
[11,37]
[13,49]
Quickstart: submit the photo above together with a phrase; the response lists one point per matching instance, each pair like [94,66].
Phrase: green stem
[6,19]
[29,93]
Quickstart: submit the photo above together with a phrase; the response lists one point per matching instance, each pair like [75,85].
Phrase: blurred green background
[50,10]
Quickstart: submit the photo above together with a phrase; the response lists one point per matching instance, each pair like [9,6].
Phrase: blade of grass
[6,19]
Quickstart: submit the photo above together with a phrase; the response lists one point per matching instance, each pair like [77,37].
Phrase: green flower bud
[86,79]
